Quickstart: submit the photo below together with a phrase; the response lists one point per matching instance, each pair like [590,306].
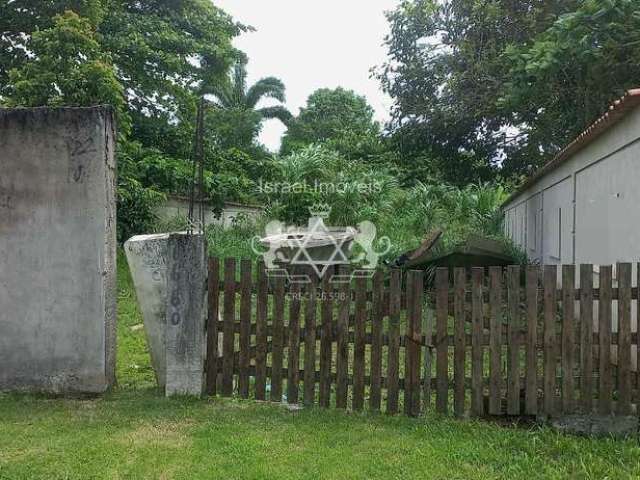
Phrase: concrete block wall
[57,250]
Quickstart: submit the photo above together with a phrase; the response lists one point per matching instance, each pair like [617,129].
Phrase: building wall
[179,207]
[588,210]
[57,250]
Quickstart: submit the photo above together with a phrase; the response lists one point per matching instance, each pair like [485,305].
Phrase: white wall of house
[179,207]
[587,210]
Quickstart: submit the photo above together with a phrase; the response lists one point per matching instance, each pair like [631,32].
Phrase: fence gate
[516,341]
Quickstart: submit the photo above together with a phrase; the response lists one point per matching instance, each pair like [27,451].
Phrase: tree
[565,77]
[237,118]
[446,70]
[339,118]
[67,67]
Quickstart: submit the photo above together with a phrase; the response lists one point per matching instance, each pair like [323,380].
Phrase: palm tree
[235,95]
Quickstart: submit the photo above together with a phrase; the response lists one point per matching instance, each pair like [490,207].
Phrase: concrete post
[186,314]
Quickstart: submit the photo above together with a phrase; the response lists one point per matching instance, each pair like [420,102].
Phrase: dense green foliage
[477,82]
[339,119]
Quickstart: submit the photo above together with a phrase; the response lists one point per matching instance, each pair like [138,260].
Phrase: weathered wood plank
[394,341]
[293,358]
[513,346]
[229,319]
[261,333]
[459,287]
[624,338]
[605,393]
[212,325]
[245,327]
[442,344]
[495,333]
[477,321]
[277,340]
[376,341]
[550,353]
[325,341]
[568,338]
[359,343]
[342,354]
[309,394]
[414,336]
[531,373]
[586,337]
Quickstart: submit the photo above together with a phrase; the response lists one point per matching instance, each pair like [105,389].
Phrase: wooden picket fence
[484,341]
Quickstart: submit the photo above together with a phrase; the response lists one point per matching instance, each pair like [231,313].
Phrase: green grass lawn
[135,433]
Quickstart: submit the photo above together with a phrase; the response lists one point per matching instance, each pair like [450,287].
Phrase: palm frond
[277,111]
[269,87]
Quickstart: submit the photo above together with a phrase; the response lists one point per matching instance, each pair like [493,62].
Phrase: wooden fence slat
[309,394]
[245,327]
[605,392]
[568,338]
[513,347]
[638,333]
[393,351]
[586,337]
[459,287]
[442,337]
[213,287]
[624,338]
[414,342]
[293,359]
[428,339]
[495,333]
[477,321]
[359,344]
[531,368]
[277,340]
[342,341]
[376,341]
[550,355]
[228,339]
[408,387]
[261,333]
[325,341]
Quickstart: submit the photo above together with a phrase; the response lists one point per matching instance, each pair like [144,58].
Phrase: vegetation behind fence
[514,341]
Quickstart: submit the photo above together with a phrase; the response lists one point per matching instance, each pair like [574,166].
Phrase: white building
[584,205]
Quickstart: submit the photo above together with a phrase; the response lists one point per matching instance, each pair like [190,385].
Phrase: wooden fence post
[550,354]
[309,394]
[212,325]
[245,328]
[229,320]
[586,337]
[477,319]
[342,341]
[459,292]
[293,380]
[359,343]
[277,340]
[568,338]
[261,333]
[531,375]
[495,335]
[442,340]
[376,340]
[604,316]
[624,338]
[393,351]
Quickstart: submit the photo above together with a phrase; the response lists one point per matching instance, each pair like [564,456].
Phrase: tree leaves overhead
[329,116]
[445,72]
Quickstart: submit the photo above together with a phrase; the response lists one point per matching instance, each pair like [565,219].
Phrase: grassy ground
[135,433]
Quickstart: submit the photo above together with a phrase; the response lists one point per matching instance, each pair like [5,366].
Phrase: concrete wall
[57,250]
[179,207]
[588,206]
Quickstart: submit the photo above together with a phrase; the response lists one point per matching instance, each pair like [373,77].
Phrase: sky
[311,44]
